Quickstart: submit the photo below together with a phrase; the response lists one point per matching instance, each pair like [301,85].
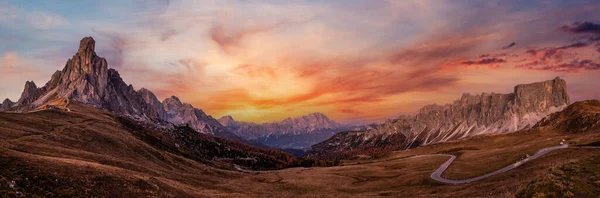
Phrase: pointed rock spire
[86,62]
[87,79]
[29,90]
[86,45]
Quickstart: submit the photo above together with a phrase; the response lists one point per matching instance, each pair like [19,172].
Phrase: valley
[88,133]
[89,153]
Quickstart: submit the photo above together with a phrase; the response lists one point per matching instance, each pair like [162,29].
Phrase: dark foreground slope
[89,152]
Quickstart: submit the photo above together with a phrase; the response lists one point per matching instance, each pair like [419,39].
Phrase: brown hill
[578,117]
[90,152]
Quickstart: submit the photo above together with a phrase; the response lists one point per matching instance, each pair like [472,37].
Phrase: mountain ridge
[86,78]
[297,132]
[467,116]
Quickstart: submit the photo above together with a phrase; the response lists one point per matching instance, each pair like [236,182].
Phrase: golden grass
[89,154]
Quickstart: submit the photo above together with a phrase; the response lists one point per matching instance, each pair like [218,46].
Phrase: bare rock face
[155,106]
[468,116]
[297,133]
[181,113]
[86,78]
[6,105]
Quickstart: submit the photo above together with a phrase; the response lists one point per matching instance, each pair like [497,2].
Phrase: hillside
[90,152]
[87,151]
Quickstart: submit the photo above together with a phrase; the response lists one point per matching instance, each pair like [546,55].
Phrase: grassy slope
[88,154]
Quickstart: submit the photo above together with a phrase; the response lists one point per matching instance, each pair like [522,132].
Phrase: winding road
[437,174]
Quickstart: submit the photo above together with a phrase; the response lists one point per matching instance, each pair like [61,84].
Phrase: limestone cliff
[468,116]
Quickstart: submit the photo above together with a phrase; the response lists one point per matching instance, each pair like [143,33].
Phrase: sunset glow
[355,61]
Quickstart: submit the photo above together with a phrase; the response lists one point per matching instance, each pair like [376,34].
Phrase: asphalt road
[437,174]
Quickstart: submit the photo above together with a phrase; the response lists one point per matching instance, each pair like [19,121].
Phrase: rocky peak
[87,79]
[317,115]
[87,65]
[28,92]
[172,102]
[7,101]
[6,104]
[30,87]
[226,119]
[298,132]
[148,96]
[86,46]
[541,95]
[156,107]
[316,119]
[470,115]
[172,99]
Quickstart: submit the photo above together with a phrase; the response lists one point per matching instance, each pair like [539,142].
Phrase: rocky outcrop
[86,78]
[468,116]
[6,105]
[298,133]
[30,93]
[180,113]
[155,106]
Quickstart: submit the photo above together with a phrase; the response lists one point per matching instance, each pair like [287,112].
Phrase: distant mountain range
[297,133]
[86,78]
[468,116]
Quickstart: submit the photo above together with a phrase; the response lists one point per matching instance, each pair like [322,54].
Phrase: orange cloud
[229,39]
[337,82]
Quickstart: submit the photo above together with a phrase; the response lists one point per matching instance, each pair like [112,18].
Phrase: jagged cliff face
[468,116]
[86,78]
[298,133]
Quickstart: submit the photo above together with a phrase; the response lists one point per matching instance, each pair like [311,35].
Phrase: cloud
[43,20]
[553,59]
[581,27]
[509,45]
[488,61]
[572,67]
[15,70]
[16,17]
[12,64]
[484,61]
[553,53]
[228,38]
[350,111]
[117,44]
[297,57]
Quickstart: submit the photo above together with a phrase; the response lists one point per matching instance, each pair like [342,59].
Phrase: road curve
[437,174]
[239,168]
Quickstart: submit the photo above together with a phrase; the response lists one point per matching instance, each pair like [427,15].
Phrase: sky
[355,61]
